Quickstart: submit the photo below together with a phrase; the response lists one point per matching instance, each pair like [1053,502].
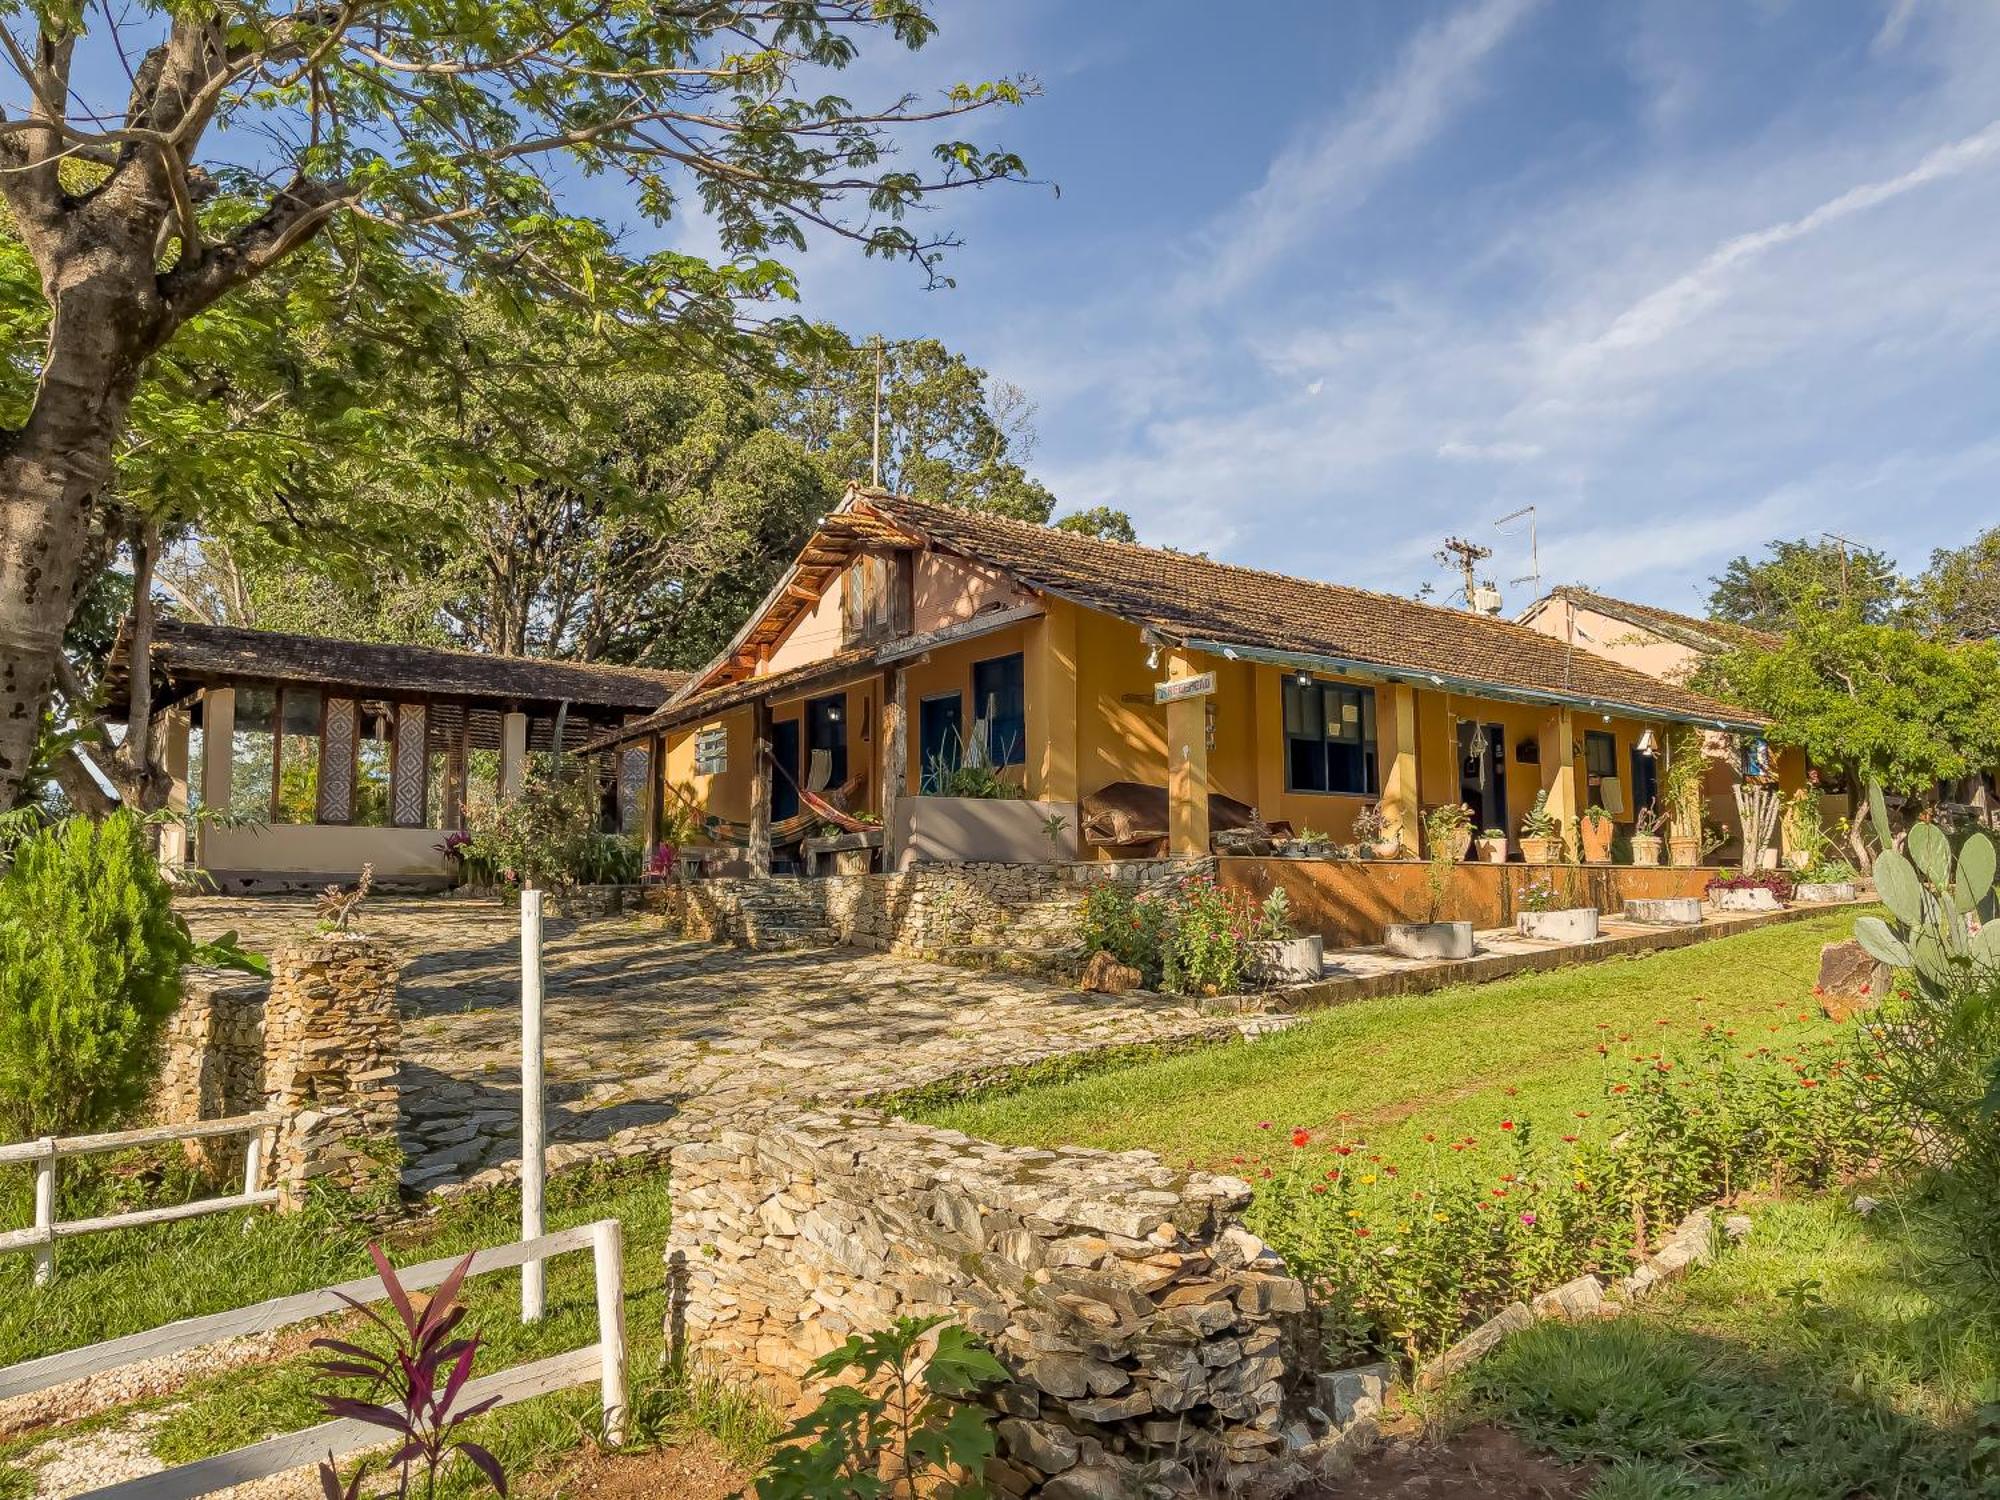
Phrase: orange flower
[1301,1138]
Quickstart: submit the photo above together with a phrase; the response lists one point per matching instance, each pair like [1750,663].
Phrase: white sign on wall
[1175,689]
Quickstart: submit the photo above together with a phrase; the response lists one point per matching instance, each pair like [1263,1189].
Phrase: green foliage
[90,960]
[1538,822]
[1407,1255]
[1797,578]
[1193,937]
[1958,596]
[908,1428]
[1876,703]
[1936,1042]
[1444,827]
[546,835]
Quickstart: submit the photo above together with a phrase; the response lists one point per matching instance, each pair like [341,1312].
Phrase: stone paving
[640,1025]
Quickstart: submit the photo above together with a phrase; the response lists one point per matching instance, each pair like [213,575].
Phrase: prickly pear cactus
[1942,900]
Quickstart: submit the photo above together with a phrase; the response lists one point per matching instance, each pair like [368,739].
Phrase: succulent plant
[1943,900]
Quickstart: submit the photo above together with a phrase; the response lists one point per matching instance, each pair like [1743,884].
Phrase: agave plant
[1943,901]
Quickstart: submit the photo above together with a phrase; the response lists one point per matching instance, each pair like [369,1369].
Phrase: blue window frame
[999,700]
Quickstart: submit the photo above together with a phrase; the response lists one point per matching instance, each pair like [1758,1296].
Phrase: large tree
[1874,703]
[436,130]
[1958,596]
[1769,592]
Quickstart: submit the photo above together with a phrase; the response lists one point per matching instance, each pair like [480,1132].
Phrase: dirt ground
[697,1469]
[1475,1463]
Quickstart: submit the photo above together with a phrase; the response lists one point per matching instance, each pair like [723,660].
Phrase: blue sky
[1331,281]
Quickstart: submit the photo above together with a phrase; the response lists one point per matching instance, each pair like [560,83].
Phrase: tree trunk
[56,477]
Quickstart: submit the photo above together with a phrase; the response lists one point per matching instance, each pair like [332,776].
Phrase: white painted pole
[45,1213]
[607,1247]
[253,1161]
[534,1139]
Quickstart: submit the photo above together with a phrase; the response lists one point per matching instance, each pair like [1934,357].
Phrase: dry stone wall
[319,1040]
[1151,1337]
[929,910]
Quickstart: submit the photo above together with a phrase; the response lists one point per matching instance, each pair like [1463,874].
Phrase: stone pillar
[1396,729]
[331,1039]
[212,1061]
[1187,766]
[1556,741]
[513,754]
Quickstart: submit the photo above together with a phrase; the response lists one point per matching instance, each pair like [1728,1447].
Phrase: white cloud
[1340,161]
[1496,452]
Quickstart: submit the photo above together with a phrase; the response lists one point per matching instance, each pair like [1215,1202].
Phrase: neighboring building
[1670,647]
[340,753]
[905,632]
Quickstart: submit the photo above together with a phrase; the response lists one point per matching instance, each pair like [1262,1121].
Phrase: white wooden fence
[47,1152]
[603,1361]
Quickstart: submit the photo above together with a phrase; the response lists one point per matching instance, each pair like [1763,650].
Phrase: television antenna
[1534,574]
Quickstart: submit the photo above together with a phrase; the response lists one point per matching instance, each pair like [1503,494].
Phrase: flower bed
[1404,1256]
[1193,936]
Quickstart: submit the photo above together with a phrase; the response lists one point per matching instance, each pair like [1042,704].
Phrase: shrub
[546,835]
[1405,1257]
[90,959]
[1777,882]
[1190,938]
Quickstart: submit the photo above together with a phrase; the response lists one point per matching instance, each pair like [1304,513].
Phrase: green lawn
[1808,1362]
[1452,1063]
[119,1283]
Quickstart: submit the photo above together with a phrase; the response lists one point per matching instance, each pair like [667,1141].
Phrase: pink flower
[1528,1219]
[1263,1124]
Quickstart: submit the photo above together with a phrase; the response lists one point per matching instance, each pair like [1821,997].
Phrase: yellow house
[1138,697]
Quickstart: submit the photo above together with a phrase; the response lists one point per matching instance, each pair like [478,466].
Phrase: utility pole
[1466,556]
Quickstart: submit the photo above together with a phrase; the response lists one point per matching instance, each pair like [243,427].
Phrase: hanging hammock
[732,834]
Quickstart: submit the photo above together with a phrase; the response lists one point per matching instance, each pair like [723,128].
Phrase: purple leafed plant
[411,1388]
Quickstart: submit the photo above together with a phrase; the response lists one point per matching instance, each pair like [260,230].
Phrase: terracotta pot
[1597,834]
[1645,848]
[1541,851]
[1493,851]
[1685,852]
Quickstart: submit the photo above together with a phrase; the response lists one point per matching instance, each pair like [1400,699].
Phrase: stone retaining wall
[320,1039]
[930,910]
[1151,1337]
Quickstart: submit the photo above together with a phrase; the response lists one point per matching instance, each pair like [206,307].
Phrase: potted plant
[1449,826]
[1828,878]
[1646,840]
[1308,843]
[1434,937]
[1491,845]
[1278,955]
[1376,836]
[1596,830]
[1541,833]
[1548,914]
[1680,795]
[1750,890]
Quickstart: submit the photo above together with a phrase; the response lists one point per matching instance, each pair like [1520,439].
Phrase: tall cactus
[1943,903]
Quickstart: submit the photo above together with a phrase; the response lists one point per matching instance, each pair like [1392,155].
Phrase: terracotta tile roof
[191,651]
[1186,597]
[1689,630]
[697,707]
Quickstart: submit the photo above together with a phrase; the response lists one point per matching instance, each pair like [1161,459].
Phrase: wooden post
[45,1213]
[513,754]
[607,1249]
[895,757]
[760,787]
[533,1137]
[253,1162]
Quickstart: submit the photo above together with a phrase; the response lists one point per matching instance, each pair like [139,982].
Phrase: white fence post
[253,1162]
[607,1248]
[534,1142]
[45,1212]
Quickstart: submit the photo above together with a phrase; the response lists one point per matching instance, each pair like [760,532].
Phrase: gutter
[1375,672]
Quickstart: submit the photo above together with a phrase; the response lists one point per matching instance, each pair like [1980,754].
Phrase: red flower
[1319,1187]
[1506,1124]
[1363,1231]
[1344,1150]
[1621,1088]
[1301,1138]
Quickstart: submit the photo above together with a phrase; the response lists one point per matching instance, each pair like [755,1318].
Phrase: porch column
[760,787]
[1050,682]
[174,850]
[1187,767]
[218,746]
[513,754]
[1396,727]
[895,739]
[1556,742]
